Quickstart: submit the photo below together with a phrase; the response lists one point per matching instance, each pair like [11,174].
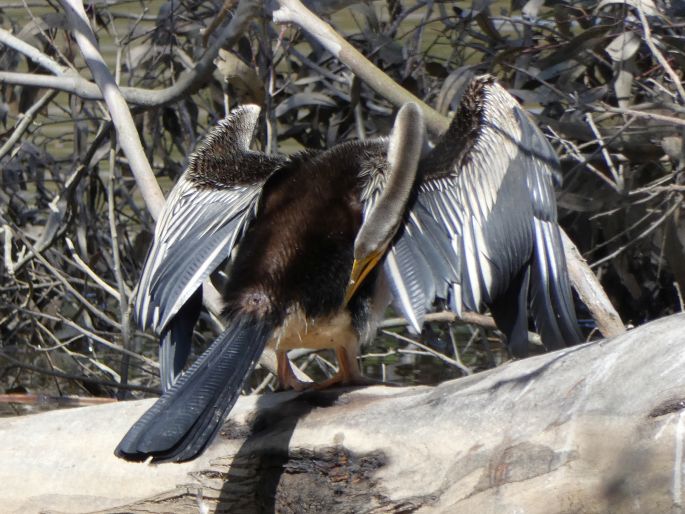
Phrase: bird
[315,245]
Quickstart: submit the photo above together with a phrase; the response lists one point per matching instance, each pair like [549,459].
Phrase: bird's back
[298,251]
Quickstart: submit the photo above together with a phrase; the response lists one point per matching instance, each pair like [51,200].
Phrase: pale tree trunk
[593,429]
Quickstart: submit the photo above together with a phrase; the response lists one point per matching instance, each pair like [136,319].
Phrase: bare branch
[32,53]
[608,321]
[26,121]
[187,83]
[293,11]
[121,116]
[658,55]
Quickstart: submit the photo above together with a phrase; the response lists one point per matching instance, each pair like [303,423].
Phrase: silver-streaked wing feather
[487,201]
[197,231]
[205,215]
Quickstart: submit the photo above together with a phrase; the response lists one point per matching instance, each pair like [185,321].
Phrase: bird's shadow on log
[269,475]
[253,480]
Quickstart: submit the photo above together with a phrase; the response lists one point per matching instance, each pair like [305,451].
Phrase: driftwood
[595,428]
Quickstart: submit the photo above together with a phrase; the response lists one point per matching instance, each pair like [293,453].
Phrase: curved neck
[404,151]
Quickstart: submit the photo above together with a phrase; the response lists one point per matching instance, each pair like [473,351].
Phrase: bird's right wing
[484,214]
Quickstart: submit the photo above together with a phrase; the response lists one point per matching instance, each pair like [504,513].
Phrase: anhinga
[313,242]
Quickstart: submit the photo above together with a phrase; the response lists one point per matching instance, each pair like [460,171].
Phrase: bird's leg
[348,369]
[286,376]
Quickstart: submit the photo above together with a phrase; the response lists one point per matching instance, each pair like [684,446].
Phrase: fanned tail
[185,419]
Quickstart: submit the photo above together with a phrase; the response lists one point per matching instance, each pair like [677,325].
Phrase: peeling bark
[595,428]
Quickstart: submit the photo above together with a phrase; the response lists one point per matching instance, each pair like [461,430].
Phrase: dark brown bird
[315,241]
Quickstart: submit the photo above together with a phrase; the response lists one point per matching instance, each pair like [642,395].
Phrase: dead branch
[558,432]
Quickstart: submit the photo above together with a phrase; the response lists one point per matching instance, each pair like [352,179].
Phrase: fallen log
[596,428]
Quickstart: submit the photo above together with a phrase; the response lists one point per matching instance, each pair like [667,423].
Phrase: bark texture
[595,428]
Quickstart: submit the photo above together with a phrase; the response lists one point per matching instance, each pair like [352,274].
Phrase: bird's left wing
[197,230]
[205,214]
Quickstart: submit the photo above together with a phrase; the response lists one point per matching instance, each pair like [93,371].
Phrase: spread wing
[197,231]
[484,217]
[204,217]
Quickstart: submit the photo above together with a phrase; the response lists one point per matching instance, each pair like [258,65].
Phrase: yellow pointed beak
[360,269]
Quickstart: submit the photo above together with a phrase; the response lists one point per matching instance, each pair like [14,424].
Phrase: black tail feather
[181,424]
[562,297]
